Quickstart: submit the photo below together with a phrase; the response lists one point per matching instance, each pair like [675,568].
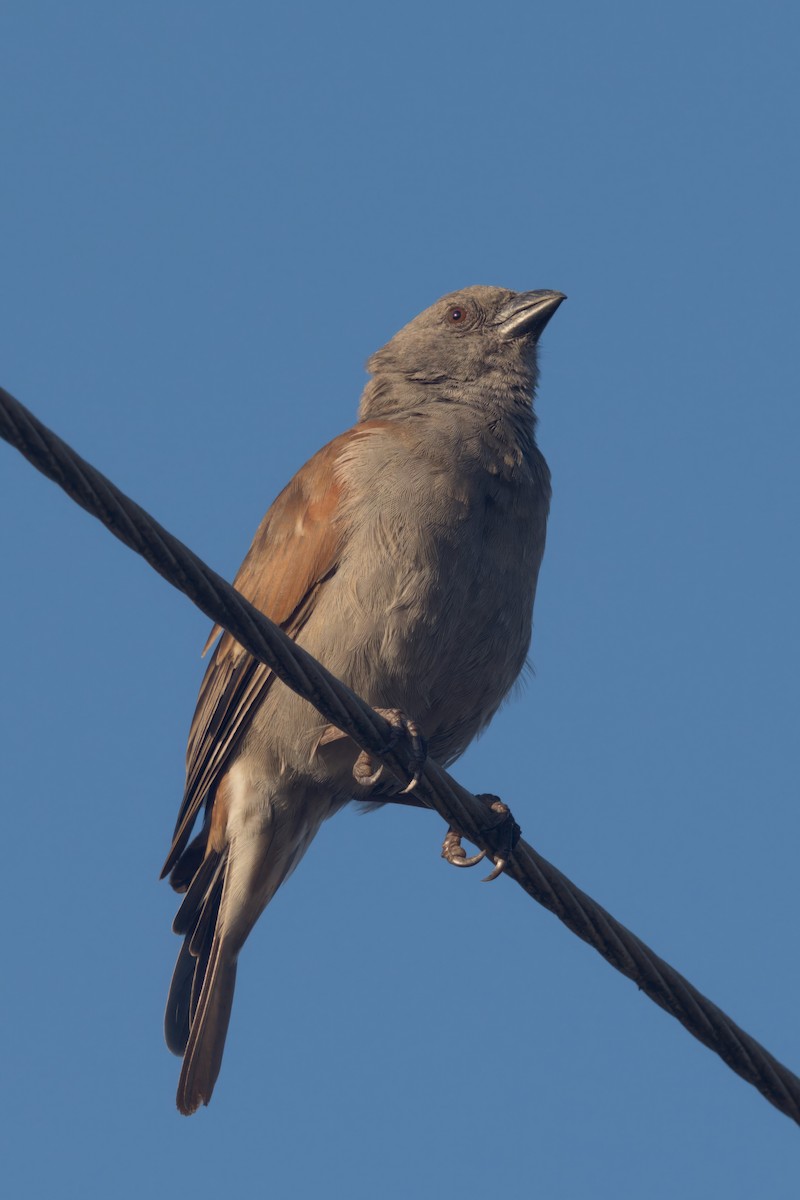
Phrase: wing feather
[296,550]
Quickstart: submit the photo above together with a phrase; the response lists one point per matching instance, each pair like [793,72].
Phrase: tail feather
[201,994]
[203,1055]
[202,950]
[176,1017]
[188,862]
[187,915]
[200,936]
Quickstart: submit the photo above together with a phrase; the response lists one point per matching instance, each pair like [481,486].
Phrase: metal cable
[342,708]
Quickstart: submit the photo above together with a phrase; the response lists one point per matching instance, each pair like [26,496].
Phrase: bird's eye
[456,314]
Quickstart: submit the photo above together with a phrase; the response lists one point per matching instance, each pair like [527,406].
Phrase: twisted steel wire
[438,790]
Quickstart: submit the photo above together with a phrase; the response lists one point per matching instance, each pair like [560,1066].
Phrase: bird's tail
[225,890]
[201,993]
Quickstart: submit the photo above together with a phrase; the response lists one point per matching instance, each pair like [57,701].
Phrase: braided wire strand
[176,563]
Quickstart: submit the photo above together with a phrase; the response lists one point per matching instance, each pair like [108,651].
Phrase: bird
[404,556]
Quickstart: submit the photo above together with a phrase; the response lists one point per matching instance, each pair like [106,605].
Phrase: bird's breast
[434,596]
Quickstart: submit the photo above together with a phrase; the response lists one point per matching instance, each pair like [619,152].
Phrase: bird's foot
[454,853]
[502,830]
[365,771]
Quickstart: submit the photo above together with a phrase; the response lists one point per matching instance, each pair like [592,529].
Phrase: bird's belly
[441,634]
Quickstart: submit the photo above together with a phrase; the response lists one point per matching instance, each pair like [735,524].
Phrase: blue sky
[211,216]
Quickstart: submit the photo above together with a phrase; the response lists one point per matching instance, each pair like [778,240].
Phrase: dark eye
[456,314]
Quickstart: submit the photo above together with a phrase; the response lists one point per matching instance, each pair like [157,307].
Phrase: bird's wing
[295,551]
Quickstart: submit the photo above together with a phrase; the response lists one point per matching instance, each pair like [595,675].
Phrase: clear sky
[212,214]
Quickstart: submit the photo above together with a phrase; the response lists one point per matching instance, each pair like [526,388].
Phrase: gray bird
[404,556]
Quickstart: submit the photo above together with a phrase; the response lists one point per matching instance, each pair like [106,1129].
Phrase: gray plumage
[404,556]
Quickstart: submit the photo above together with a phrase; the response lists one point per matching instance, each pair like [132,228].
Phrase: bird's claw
[366,774]
[499,867]
[503,829]
[454,853]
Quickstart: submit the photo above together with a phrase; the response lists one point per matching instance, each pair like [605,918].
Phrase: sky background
[211,215]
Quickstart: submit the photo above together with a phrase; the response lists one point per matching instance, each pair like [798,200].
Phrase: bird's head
[470,345]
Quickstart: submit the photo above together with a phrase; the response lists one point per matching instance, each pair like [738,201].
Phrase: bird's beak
[528,313]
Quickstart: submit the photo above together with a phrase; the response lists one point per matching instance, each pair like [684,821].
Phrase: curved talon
[418,750]
[361,766]
[500,865]
[454,853]
[461,860]
[401,724]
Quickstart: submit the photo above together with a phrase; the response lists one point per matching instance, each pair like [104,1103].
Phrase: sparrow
[404,556]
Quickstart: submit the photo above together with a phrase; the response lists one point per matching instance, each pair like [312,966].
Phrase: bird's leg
[502,829]
[367,773]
